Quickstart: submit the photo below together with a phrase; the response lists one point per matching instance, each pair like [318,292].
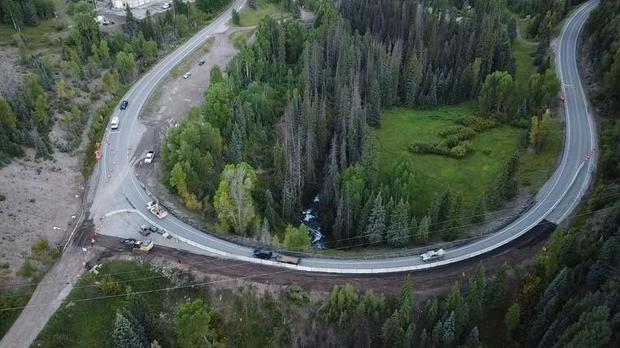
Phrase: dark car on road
[124,104]
[263,254]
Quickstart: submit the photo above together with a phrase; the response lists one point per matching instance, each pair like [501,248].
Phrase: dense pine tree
[397,233]
[376,222]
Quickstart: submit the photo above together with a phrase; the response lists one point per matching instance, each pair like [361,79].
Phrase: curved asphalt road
[118,185]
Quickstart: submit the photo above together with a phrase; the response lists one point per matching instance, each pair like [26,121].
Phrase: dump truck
[288,259]
[432,255]
[156,209]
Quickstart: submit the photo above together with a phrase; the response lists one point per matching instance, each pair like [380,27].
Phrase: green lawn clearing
[249,17]
[523,51]
[536,168]
[471,176]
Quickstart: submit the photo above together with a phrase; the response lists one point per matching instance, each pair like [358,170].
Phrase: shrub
[110,287]
[461,150]
[28,270]
[297,294]
[97,130]
[297,238]
[58,25]
[477,123]
[446,147]
[460,132]
[235,17]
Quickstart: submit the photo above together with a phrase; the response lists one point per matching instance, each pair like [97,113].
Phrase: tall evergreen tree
[397,233]
[412,81]
[376,222]
[125,334]
[422,233]
[496,293]
[413,228]
[479,212]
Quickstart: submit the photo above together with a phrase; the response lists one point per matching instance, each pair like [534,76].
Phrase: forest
[25,12]
[570,297]
[604,53]
[80,67]
[293,119]
[545,14]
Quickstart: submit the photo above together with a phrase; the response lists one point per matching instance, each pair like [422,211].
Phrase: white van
[114,123]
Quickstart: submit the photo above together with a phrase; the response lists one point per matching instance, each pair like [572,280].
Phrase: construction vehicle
[156,209]
[145,245]
[432,255]
[142,245]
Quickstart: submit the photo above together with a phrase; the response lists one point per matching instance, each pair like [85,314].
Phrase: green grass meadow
[471,176]
[249,17]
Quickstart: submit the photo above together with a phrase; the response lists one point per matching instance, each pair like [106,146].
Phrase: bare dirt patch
[9,70]
[41,200]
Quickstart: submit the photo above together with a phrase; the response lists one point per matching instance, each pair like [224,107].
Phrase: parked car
[166,6]
[187,75]
[263,254]
[144,230]
[128,241]
[163,232]
[124,104]
[149,157]
[201,62]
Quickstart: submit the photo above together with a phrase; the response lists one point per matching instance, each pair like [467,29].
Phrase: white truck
[432,255]
[156,209]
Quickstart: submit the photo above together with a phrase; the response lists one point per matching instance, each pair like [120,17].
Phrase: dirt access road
[212,271]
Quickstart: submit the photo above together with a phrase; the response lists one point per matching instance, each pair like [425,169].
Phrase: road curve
[117,185]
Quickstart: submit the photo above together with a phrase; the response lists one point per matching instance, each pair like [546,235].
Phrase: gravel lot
[170,103]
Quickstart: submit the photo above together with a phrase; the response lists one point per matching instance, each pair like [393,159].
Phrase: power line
[217,281]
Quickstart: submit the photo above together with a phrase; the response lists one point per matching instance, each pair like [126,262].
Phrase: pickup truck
[432,255]
[156,209]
